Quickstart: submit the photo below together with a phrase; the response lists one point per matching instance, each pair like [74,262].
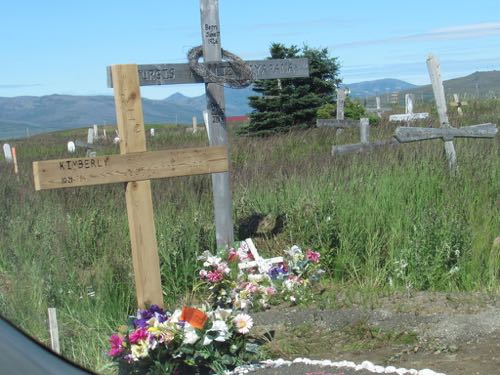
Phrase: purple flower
[277,271]
[143,316]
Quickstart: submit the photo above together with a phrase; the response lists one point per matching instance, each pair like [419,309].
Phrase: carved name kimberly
[83,163]
[53,174]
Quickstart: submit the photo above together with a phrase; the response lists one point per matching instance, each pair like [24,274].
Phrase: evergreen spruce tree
[292,103]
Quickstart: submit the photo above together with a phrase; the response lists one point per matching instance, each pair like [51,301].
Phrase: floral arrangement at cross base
[188,341]
[249,289]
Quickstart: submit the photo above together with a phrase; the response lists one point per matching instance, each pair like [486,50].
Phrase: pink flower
[116,342]
[203,274]
[270,291]
[233,255]
[215,276]
[137,335]
[223,268]
[312,256]
[252,288]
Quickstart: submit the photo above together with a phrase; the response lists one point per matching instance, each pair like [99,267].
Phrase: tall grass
[393,218]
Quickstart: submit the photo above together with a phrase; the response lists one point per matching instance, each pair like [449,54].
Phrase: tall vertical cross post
[135,167]
[439,97]
[165,74]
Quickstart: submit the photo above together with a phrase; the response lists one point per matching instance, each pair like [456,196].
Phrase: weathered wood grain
[54,330]
[139,166]
[439,97]
[362,147]
[409,134]
[337,124]
[130,121]
[174,74]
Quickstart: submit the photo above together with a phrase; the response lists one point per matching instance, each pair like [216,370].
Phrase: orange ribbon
[195,317]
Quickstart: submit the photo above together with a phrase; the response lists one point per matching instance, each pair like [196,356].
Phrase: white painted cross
[409,115]
[378,109]
[90,136]
[458,103]
[7,152]
[263,265]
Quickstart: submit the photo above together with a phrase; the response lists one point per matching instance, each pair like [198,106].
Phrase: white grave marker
[205,120]
[96,132]
[409,115]
[71,146]
[90,136]
[7,151]
[54,331]
[152,132]
[263,265]
[195,124]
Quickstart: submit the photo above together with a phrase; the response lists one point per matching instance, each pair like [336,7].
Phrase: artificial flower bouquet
[188,341]
[255,288]
[297,274]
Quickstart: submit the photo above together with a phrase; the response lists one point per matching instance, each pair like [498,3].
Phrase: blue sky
[63,46]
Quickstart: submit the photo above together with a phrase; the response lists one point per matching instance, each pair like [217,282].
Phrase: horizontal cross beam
[361,147]
[137,166]
[172,74]
[409,116]
[337,124]
[408,134]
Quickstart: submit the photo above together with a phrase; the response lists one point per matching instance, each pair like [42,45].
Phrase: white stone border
[365,365]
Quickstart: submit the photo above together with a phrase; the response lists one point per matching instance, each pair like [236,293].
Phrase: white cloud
[449,33]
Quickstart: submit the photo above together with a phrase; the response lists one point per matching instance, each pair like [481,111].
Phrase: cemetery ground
[412,274]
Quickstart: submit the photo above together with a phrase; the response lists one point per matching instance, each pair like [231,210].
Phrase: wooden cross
[341,94]
[364,145]
[458,103]
[135,167]
[167,74]
[378,109]
[445,132]
[409,115]
[263,265]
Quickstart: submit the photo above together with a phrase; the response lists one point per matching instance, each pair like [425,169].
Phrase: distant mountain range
[378,87]
[23,115]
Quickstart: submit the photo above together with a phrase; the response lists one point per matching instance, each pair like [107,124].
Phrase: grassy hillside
[386,221]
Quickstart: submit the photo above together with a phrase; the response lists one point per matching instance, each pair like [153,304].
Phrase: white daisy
[243,323]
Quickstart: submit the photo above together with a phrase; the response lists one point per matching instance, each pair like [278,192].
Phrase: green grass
[389,220]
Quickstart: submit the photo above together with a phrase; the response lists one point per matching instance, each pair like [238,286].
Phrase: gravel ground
[455,333]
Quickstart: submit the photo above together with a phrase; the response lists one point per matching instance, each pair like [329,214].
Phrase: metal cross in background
[167,74]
